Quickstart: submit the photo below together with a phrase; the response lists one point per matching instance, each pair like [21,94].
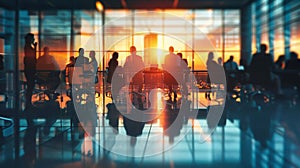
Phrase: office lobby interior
[149,83]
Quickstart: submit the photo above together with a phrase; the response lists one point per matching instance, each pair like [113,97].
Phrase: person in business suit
[29,66]
[261,70]
[171,66]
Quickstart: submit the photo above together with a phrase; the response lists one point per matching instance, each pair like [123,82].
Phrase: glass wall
[192,32]
[277,24]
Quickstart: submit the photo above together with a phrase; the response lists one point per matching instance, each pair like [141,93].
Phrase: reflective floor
[266,134]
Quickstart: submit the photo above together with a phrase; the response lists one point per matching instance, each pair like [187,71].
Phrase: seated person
[48,72]
[292,69]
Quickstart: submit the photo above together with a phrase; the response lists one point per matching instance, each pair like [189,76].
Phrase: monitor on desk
[241,68]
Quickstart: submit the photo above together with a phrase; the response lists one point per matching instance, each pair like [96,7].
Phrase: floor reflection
[256,134]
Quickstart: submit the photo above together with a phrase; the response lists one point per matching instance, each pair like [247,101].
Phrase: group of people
[271,74]
[175,67]
[46,71]
[262,71]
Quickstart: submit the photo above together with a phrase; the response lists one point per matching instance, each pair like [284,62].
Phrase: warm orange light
[99,6]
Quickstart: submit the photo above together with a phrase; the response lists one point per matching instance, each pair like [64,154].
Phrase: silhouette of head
[46,51]
[180,55]
[263,48]
[72,59]
[92,54]
[29,38]
[293,55]
[171,49]
[81,51]
[231,58]
[210,56]
[281,58]
[132,49]
[115,55]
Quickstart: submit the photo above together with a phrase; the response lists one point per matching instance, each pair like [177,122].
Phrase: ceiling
[124,4]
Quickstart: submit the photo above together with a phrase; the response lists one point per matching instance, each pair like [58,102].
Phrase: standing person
[133,66]
[214,72]
[80,67]
[29,65]
[261,70]
[230,65]
[112,65]
[80,60]
[94,63]
[231,69]
[171,66]
[183,74]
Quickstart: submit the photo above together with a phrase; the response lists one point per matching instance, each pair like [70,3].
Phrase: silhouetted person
[29,65]
[171,66]
[214,72]
[184,70]
[133,67]
[112,65]
[293,70]
[1,62]
[261,70]
[48,71]
[293,63]
[82,77]
[80,60]
[94,64]
[230,65]
[82,72]
[231,69]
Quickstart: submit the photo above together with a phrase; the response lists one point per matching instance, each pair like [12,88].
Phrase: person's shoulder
[255,54]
